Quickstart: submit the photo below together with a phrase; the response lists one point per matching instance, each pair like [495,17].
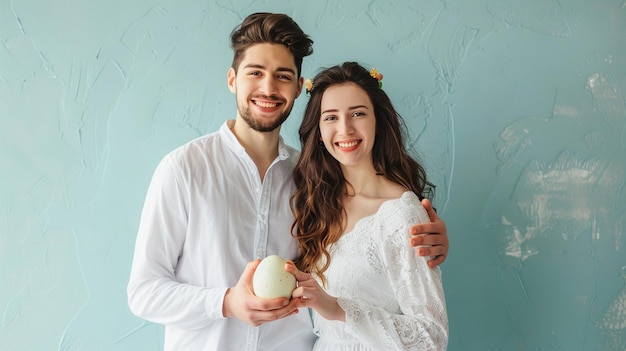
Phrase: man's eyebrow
[279,69]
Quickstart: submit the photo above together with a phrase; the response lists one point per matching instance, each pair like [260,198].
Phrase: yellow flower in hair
[373,72]
[378,76]
[308,85]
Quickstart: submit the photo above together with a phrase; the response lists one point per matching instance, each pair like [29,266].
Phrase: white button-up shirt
[206,215]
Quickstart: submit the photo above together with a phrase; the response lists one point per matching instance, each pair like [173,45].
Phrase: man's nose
[268,85]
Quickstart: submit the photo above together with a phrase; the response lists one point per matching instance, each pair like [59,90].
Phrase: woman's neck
[363,181]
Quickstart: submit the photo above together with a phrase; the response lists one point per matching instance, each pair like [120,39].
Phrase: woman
[358,191]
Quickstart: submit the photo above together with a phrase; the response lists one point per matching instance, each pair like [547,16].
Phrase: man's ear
[300,84]
[231,80]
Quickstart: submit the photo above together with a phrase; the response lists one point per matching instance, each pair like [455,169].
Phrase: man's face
[265,85]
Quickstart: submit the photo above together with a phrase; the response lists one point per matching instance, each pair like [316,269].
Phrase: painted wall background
[517,109]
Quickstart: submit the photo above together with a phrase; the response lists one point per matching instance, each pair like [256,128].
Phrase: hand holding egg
[271,280]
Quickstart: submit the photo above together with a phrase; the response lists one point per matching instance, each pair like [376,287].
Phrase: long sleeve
[392,299]
[421,323]
[206,215]
[154,293]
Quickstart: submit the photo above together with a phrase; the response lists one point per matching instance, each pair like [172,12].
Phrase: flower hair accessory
[378,76]
[308,85]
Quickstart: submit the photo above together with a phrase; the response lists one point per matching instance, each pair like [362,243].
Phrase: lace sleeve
[421,323]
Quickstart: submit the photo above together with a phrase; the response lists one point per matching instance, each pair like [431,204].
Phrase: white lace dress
[393,301]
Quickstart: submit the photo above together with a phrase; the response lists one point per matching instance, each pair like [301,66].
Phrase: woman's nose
[345,126]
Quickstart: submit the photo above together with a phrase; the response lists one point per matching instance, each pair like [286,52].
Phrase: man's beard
[258,125]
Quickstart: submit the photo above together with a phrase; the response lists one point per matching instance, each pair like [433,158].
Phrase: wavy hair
[320,184]
[273,28]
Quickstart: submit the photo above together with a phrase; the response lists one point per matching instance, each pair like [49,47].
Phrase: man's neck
[262,147]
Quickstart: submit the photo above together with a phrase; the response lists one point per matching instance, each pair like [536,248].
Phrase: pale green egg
[270,279]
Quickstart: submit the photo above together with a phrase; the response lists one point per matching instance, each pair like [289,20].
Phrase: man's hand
[430,238]
[241,303]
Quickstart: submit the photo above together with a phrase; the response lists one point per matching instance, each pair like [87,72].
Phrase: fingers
[291,268]
[438,228]
[259,310]
[436,261]
[307,287]
[248,272]
[437,254]
[435,226]
[262,304]
[256,318]
[300,276]
[305,296]
[241,303]
[431,238]
[290,309]
[428,239]
[428,206]
[431,251]
[297,293]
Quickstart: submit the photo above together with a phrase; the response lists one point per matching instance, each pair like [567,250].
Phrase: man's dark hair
[273,28]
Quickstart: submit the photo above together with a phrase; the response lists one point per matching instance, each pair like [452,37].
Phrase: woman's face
[348,125]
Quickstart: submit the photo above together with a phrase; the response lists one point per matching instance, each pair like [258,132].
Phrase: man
[221,201]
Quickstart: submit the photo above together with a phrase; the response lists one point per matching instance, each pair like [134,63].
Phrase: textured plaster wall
[517,109]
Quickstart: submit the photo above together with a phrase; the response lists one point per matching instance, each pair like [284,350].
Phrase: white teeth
[266,104]
[350,144]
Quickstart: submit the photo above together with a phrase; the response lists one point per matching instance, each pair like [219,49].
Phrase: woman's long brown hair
[320,184]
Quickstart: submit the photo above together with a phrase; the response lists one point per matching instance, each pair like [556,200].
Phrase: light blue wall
[516,107]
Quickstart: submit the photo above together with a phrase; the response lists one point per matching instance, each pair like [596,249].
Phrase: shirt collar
[233,143]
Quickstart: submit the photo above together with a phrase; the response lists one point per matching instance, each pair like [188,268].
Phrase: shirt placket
[263,194]
[263,215]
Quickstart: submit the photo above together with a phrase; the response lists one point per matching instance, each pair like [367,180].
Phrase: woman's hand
[311,294]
